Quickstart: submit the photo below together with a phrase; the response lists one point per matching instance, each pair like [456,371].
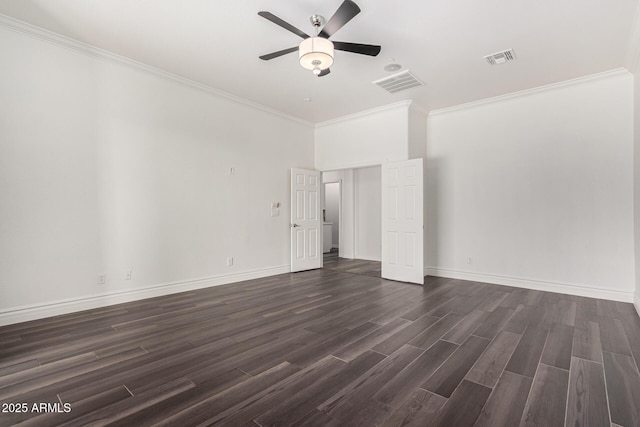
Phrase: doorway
[352,212]
[395,243]
[331,219]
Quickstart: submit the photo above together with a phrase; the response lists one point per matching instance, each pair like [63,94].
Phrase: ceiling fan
[316,53]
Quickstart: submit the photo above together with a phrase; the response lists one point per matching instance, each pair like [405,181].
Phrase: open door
[306,220]
[402,221]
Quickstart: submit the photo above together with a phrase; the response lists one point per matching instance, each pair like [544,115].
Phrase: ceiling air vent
[501,57]
[398,82]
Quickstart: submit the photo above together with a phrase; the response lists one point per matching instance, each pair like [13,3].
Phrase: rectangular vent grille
[501,57]
[398,82]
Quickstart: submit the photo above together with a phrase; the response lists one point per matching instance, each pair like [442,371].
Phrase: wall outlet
[128,274]
[229,261]
[102,279]
[469,261]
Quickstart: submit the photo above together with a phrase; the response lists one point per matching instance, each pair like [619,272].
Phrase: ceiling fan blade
[324,72]
[273,18]
[344,14]
[363,49]
[272,55]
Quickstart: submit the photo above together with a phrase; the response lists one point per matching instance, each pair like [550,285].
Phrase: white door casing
[306,220]
[402,221]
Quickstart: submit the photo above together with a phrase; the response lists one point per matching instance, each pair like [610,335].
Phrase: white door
[306,220]
[402,221]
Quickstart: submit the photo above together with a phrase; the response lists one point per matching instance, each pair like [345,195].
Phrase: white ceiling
[442,42]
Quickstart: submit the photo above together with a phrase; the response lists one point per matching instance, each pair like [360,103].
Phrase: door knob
[294,225]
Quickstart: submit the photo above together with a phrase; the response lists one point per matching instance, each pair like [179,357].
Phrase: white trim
[580,80]
[396,105]
[358,165]
[39,311]
[356,209]
[539,285]
[633,54]
[637,302]
[27,29]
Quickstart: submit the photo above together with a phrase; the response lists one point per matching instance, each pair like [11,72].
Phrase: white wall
[105,167]
[332,207]
[418,150]
[634,56]
[636,168]
[365,139]
[417,125]
[368,212]
[537,189]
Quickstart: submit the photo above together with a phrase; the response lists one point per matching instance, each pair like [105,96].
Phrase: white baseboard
[517,282]
[40,311]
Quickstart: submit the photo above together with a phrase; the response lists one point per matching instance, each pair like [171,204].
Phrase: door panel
[402,222]
[306,240]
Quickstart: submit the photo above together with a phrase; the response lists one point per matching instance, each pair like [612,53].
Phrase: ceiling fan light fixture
[316,54]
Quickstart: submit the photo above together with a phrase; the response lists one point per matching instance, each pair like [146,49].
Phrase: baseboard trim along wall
[516,282]
[40,311]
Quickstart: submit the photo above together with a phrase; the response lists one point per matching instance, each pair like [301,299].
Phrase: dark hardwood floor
[355,266]
[330,348]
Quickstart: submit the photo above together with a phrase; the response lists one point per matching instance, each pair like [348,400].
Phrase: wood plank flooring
[355,266]
[329,348]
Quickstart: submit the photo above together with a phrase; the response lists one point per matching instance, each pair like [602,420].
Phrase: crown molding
[30,30]
[567,83]
[633,55]
[383,108]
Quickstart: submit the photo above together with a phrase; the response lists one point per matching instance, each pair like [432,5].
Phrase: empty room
[320,213]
